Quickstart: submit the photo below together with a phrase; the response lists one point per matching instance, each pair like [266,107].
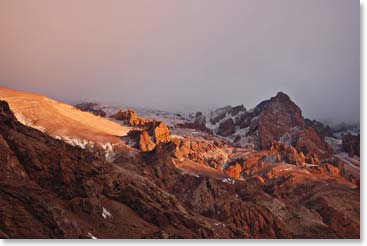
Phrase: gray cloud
[186,55]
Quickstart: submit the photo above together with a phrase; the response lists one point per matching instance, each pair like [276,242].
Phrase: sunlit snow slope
[61,120]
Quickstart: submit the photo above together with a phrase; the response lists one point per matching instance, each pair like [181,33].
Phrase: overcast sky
[186,55]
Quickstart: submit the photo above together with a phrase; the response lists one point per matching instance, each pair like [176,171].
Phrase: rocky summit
[231,173]
[279,119]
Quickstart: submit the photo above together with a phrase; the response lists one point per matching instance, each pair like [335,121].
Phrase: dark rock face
[237,109]
[199,119]
[90,107]
[321,130]
[351,144]
[226,128]
[219,114]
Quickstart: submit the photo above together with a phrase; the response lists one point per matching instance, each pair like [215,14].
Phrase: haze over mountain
[187,55]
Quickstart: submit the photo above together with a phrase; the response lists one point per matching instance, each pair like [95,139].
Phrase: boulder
[226,128]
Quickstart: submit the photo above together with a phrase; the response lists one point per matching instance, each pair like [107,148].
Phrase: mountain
[179,180]
[278,118]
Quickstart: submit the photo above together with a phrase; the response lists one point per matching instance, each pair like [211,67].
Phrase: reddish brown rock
[326,169]
[308,142]
[281,119]
[277,116]
[161,133]
[291,155]
[234,170]
[145,142]
[351,144]
[150,134]
[287,153]
[130,117]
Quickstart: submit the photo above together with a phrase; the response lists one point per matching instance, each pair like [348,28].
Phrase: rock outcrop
[145,142]
[148,136]
[130,118]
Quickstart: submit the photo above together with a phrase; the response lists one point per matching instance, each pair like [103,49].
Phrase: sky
[186,55]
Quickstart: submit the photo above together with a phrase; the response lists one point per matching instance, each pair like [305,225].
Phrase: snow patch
[91,236]
[228,181]
[109,151]
[336,144]
[105,213]
[220,224]
[82,143]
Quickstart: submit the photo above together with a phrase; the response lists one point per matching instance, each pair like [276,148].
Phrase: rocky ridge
[178,183]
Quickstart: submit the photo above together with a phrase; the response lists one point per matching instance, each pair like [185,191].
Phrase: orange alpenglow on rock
[130,117]
[234,171]
[145,142]
[161,133]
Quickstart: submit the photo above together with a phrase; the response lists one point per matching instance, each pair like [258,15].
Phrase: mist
[186,55]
